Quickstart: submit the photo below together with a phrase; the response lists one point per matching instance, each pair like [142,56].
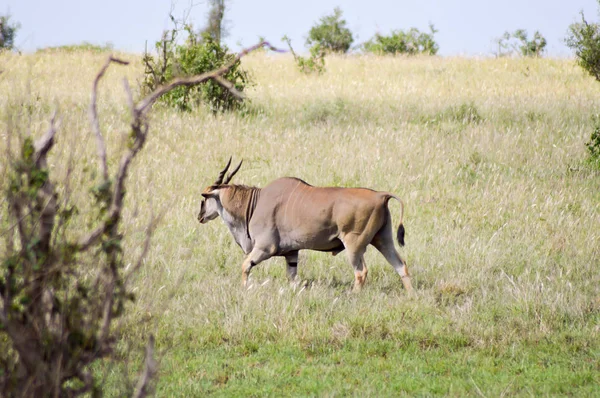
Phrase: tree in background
[215,23]
[8,31]
[530,48]
[584,39]
[409,42]
[331,33]
[518,42]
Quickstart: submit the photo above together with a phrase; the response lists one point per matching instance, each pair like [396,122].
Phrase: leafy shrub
[195,56]
[584,39]
[593,145]
[8,32]
[531,48]
[518,42]
[331,33]
[409,42]
[313,64]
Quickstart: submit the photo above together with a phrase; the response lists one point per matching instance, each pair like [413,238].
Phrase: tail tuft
[400,235]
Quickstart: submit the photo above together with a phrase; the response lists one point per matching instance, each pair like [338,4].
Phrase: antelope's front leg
[255,257]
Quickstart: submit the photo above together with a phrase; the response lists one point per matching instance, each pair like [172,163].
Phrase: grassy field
[502,219]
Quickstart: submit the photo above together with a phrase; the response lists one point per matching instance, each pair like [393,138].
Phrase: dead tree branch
[150,368]
[94,115]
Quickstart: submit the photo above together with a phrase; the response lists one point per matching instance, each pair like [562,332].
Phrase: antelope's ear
[210,193]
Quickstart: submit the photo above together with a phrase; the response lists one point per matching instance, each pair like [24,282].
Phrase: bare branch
[44,144]
[229,86]
[154,221]
[94,115]
[90,239]
[145,59]
[48,212]
[129,95]
[143,386]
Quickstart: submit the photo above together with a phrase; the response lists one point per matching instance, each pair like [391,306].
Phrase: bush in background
[8,31]
[313,64]
[518,42]
[530,48]
[196,56]
[409,42]
[331,33]
[593,145]
[584,39]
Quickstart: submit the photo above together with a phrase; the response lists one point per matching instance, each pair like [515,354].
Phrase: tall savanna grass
[502,218]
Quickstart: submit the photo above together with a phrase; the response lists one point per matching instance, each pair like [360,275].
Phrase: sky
[466,27]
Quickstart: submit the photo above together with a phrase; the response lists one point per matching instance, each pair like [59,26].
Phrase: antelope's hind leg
[384,242]
[291,260]
[360,269]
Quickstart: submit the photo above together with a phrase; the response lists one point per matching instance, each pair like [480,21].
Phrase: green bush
[195,56]
[409,42]
[530,48]
[8,32]
[331,33]
[518,42]
[593,145]
[313,64]
[584,39]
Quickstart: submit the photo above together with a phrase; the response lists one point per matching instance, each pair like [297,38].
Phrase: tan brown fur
[237,199]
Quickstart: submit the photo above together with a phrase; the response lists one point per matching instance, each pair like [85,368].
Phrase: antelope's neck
[238,204]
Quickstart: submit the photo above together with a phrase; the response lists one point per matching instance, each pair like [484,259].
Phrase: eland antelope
[289,215]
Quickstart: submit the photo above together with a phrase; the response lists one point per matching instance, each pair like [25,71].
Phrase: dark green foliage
[518,41]
[8,31]
[530,48]
[584,39]
[409,42]
[313,64]
[593,145]
[193,57]
[331,33]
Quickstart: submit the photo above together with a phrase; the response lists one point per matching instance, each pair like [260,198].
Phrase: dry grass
[502,217]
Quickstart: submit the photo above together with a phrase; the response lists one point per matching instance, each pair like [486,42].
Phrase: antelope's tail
[401,231]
